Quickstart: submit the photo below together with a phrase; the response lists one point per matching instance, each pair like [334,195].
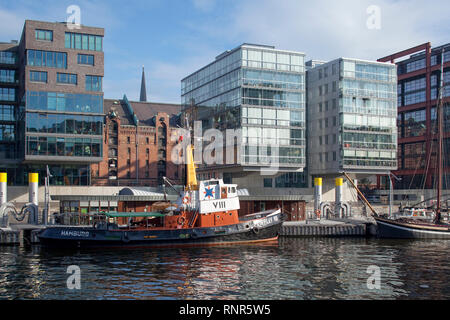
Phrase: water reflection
[293,268]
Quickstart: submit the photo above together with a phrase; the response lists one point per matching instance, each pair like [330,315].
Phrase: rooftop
[144,111]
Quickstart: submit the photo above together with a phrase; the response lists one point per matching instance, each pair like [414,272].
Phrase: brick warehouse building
[136,145]
[419,76]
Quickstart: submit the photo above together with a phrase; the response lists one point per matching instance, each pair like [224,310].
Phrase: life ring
[317,212]
[181,220]
[186,200]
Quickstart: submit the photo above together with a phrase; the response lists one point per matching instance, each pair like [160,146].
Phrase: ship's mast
[191,174]
[439,155]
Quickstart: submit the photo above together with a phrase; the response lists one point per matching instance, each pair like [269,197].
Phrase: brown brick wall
[127,142]
[58,45]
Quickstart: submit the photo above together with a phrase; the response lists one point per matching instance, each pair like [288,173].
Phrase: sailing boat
[206,213]
[409,228]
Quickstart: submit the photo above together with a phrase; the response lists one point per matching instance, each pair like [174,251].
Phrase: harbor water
[290,268]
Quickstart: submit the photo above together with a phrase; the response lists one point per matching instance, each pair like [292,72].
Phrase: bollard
[3,192]
[338,197]
[317,194]
[33,179]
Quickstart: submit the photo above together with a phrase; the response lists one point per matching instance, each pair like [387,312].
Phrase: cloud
[330,29]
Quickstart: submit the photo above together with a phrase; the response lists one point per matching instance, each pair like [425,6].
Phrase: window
[38,76]
[7,57]
[83,41]
[70,102]
[44,35]
[7,94]
[7,75]
[128,140]
[93,83]
[6,132]
[64,123]
[267,182]
[7,113]
[86,59]
[47,59]
[67,78]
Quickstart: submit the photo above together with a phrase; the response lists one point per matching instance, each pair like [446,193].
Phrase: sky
[173,38]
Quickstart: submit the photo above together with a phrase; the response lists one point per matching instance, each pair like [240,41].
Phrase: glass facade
[368,115]
[352,112]
[63,146]
[260,90]
[67,102]
[62,174]
[64,123]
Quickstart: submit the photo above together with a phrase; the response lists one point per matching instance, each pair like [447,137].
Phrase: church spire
[143,97]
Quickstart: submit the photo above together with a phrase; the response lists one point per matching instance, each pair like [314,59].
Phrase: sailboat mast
[439,155]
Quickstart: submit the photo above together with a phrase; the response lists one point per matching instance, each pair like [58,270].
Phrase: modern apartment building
[58,102]
[419,77]
[351,113]
[260,91]
[9,110]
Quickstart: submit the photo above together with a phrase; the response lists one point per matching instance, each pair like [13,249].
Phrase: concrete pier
[326,228]
[20,234]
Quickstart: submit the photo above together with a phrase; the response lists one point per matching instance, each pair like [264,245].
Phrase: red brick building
[419,78]
[136,144]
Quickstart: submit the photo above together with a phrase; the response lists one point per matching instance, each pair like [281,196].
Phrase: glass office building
[260,90]
[352,114]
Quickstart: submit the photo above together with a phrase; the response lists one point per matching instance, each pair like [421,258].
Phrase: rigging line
[415,170]
[427,167]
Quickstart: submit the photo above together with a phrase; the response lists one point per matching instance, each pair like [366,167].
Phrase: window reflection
[69,147]
[67,124]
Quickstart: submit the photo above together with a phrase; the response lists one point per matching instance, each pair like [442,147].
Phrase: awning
[133,214]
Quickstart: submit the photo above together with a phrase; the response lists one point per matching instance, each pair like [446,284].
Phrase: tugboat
[206,213]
